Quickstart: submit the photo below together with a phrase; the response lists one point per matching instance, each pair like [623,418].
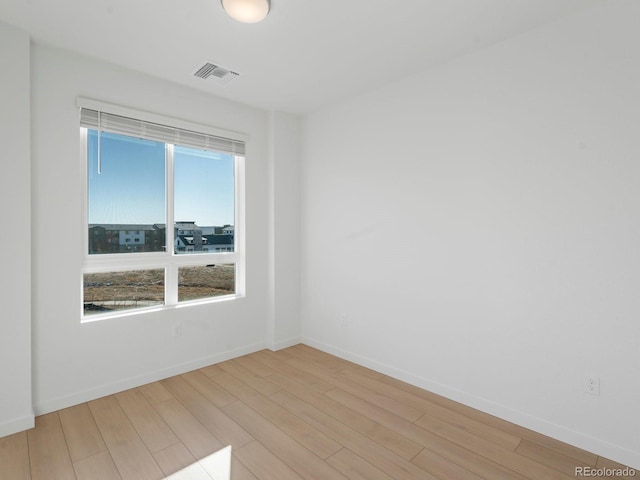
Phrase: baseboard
[572,437]
[108,389]
[285,344]
[16,425]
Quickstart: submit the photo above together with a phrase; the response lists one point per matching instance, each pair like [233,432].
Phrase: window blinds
[109,122]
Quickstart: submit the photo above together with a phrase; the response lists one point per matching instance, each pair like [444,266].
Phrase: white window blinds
[108,122]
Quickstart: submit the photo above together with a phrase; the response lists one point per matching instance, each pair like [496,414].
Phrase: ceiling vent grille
[222,76]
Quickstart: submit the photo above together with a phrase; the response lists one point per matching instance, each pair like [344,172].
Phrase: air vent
[222,76]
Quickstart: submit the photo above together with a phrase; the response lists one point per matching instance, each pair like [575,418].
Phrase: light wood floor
[294,414]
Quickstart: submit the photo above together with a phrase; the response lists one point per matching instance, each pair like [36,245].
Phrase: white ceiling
[306,54]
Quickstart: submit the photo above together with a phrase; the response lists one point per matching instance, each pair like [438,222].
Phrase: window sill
[157,308]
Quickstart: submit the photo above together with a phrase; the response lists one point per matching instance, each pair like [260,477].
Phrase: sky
[130,188]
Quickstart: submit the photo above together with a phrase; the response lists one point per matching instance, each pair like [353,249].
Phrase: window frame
[167,260]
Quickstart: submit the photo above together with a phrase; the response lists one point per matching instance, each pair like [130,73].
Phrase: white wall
[15,248]
[74,362]
[284,237]
[508,184]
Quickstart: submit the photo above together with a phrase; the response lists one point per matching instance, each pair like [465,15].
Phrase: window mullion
[171,272]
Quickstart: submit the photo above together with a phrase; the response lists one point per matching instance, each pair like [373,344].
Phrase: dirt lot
[201,282]
[123,290]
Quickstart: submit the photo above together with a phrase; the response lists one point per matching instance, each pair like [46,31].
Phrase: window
[143,173]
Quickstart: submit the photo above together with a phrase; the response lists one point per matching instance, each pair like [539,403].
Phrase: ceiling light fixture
[247,11]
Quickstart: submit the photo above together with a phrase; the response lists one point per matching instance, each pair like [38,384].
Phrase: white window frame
[168,260]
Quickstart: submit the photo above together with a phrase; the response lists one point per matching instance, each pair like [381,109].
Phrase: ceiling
[305,55]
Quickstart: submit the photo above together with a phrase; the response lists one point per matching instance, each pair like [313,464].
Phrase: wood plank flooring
[297,414]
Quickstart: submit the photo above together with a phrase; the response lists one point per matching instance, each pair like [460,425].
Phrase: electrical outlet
[176,329]
[592,385]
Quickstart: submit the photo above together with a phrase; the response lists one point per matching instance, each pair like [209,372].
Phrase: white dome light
[247,11]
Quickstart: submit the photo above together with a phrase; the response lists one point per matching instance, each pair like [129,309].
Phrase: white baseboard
[76,398]
[17,425]
[285,343]
[559,432]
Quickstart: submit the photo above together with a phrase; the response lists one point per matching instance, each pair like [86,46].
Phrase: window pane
[126,193]
[112,291]
[206,281]
[203,201]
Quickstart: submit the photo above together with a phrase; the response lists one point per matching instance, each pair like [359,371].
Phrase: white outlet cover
[592,385]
